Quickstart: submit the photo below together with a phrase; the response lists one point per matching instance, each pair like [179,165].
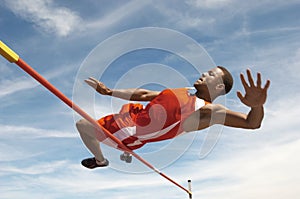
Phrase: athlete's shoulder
[183,89]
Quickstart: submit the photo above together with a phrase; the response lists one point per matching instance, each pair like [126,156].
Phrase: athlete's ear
[220,87]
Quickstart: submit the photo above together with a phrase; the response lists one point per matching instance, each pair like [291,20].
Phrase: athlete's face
[209,80]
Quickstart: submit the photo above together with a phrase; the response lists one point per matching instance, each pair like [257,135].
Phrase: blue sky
[40,149]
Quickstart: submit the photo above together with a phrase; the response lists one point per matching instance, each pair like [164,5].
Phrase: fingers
[267,85]
[93,79]
[244,81]
[250,78]
[258,80]
[88,81]
[240,96]
[251,81]
[92,82]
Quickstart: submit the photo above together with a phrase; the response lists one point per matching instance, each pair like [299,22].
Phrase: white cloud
[270,171]
[194,22]
[183,19]
[216,17]
[4,69]
[238,6]
[70,178]
[117,15]
[32,133]
[9,87]
[41,168]
[11,152]
[293,64]
[280,125]
[46,15]
[77,174]
[209,4]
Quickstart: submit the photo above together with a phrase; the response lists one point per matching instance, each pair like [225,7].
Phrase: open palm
[255,95]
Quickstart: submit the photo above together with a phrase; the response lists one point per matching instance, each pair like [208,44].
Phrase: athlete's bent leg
[88,135]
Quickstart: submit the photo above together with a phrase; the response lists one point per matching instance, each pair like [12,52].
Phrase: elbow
[254,126]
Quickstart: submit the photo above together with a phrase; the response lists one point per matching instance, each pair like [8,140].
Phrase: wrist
[257,107]
[109,92]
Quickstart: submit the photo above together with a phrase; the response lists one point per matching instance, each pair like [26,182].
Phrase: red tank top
[162,117]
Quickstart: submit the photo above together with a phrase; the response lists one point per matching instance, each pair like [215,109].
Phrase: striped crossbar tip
[8,53]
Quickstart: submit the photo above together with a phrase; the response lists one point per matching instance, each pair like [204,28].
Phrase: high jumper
[172,112]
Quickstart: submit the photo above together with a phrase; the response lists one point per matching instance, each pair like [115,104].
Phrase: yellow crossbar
[7,53]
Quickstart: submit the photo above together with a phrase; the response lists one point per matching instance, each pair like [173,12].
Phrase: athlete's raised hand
[255,95]
[98,86]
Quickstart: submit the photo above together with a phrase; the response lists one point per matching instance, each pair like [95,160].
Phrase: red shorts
[122,126]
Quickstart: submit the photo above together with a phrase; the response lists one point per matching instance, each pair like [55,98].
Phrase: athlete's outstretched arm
[255,97]
[133,94]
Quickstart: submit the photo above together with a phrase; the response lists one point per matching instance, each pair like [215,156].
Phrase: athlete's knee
[85,128]
[81,125]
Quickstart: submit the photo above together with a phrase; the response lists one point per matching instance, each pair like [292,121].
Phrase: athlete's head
[213,83]
[227,79]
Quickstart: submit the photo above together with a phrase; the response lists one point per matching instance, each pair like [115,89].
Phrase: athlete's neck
[205,96]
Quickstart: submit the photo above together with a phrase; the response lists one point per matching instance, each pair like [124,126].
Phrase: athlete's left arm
[255,97]
[134,94]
